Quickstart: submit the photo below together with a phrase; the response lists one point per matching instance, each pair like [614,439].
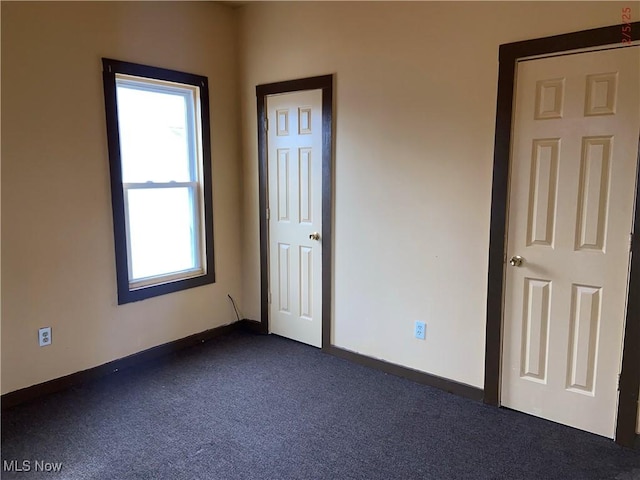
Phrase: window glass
[154,141]
[162,233]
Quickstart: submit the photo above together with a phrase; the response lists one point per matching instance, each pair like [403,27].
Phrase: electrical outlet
[44,336]
[420,330]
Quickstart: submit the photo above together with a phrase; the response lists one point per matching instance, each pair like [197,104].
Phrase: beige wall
[57,241]
[415,111]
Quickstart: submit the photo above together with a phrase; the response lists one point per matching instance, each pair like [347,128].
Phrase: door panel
[294,143]
[572,191]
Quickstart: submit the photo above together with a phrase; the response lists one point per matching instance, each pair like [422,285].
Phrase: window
[159,154]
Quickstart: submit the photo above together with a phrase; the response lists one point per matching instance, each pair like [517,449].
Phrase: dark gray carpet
[257,407]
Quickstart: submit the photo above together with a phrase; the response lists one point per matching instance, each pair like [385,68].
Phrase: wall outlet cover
[44,336]
[420,330]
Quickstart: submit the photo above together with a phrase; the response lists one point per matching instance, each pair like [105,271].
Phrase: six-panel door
[572,188]
[294,142]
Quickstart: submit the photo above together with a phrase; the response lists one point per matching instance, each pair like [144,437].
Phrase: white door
[294,156]
[572,188]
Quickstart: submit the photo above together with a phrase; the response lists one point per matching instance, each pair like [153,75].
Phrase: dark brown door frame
[630,374]
[324,83]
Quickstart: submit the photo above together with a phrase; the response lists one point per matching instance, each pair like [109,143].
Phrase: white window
[160,166]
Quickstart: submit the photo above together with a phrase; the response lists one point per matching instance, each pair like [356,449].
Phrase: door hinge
[269,298]
[266,124]
[619,382]
[630,241]
[268,214]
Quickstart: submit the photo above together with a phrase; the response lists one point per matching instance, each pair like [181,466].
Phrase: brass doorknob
[314,236]
[516,260]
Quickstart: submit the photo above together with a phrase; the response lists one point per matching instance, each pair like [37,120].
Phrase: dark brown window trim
[324,83]
[630,375]
[110,68]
